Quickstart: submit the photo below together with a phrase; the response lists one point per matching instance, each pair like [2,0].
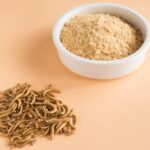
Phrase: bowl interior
[119,10]
[128,14]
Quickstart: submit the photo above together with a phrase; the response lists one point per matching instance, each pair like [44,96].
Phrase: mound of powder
[100,37]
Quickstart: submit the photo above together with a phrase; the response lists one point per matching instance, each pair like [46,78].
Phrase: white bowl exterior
[102,69]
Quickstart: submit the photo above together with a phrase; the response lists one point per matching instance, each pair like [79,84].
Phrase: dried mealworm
[29,131]
[23,116]
[44,110]
[67,111]
[19,102]
[60,127]
[71,123]
[73,119]
[29,97]
[38,113]
[29,115]
[9,110]
[54,107]
[18,144]
[46,132]
[9,129]
[34,114]
[24,113]
[2,126]
[5,114]
[52,120]
[36,124]
[14,99]
[63,110]
[22,125]
[18,113]
[46,91]
[16,125]
[67,130]
[27,91]
[33,99]
[15,137]
[52,132]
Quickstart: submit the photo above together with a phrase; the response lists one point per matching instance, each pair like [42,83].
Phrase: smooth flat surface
[112,115]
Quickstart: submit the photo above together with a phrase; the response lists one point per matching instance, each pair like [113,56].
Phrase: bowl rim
[59,45]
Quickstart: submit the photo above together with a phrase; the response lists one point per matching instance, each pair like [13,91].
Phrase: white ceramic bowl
[103,69]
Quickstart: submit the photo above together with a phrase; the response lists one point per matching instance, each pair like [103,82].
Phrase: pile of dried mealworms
[25,113]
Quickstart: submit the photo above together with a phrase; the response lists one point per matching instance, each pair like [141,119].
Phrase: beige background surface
[112,115]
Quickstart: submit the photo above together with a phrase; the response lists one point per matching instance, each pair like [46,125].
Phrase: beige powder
[100,37]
